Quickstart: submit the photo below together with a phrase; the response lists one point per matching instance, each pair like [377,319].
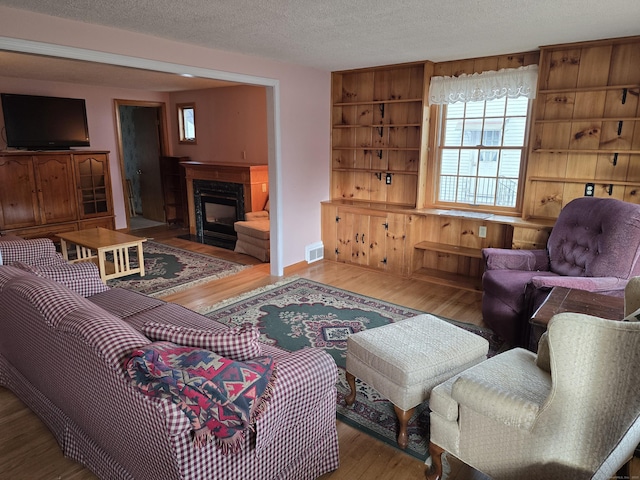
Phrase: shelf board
[590,89]
[386,125]
[453,249]
[450,279]
[352,202]
[417,149]
[377,102]
[592,119]
[375,170]
[577,151]
[584,180]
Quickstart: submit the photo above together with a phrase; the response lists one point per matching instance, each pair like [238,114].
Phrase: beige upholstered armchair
[569,412]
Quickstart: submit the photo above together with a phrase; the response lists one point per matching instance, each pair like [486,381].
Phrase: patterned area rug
[299,313]
[170,269]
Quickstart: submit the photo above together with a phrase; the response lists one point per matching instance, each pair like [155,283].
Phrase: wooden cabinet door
[395,245]
[376,242]
[329,231]
[18,193]
[93,185]
[56,192]
[361,239]
[345,240]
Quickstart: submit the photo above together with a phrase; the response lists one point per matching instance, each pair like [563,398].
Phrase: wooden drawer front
[105,222]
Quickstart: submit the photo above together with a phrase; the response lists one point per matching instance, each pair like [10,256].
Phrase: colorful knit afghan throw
[221,397]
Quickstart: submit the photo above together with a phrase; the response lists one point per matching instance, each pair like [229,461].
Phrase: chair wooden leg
[403,419]
[436,462]
[351,380]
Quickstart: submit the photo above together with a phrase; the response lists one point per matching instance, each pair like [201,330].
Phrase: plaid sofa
[63,354]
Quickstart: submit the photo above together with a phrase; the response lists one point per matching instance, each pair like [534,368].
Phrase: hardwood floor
[29,451]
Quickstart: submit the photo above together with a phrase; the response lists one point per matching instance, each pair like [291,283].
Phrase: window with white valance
[509,82]
[483,135]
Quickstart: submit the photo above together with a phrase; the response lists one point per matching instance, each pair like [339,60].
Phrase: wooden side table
[103,241]
[571,300]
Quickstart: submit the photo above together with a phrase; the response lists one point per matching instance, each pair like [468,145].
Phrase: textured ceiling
[343,34]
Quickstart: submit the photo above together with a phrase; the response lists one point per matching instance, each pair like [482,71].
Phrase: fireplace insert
[218,205]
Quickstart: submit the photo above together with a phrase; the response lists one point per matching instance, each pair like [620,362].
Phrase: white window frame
[496,151]
[480,87]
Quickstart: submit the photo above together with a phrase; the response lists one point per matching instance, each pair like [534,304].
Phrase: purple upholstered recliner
[593,246]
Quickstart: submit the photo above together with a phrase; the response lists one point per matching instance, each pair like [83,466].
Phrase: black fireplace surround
[218,205]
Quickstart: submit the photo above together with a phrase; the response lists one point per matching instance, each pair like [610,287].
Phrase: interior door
[147,139]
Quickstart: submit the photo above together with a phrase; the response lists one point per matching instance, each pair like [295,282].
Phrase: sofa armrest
[507,259]
[83,278]
[305,383]
[34,251]
[590,284]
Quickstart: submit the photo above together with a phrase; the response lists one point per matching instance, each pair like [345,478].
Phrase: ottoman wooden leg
[351,380]
[403,419]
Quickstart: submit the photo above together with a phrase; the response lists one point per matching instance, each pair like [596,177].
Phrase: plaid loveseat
[64,355]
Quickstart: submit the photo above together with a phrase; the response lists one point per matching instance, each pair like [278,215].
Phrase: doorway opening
[141,138]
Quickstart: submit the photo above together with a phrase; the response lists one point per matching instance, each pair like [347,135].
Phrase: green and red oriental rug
[170,269]
[300,313]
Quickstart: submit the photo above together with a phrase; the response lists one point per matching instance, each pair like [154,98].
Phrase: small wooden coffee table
[572,300]
[103,241]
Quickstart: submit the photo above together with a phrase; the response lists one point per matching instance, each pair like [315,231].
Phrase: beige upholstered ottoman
[253,238]
[405,360]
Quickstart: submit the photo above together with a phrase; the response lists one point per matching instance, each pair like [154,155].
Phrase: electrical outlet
[387,179]
[589,189]
[482,231]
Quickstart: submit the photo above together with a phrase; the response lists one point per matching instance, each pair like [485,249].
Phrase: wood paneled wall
[585,126]
[483,64]
[584,131]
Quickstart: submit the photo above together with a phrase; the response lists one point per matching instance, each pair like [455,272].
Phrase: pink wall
[304,108]
[100,117]
[229,121]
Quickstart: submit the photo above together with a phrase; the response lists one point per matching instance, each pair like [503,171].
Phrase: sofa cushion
[253,228]
[125,303]
[238,343]
[83,278]
[259,215]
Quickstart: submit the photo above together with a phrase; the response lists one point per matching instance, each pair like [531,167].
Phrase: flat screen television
[44,123]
